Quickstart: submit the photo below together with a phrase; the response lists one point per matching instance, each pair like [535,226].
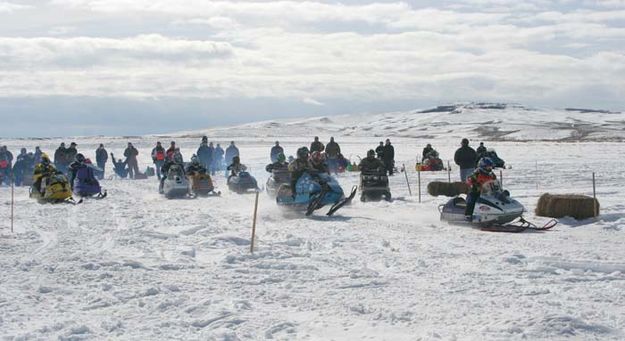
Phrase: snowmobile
[374,186]
[276,179]
[56,189]
[85,183]
[432,164]
[242,182]
[314,192]
[202,185]
[494,211]
[175,184]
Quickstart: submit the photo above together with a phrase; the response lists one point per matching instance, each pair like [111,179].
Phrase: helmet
[45,159]
[80,157]
[317,157]
[281,157]
[485,164]
[371,153]
[302,153]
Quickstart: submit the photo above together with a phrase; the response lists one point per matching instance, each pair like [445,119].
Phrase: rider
[279,165]
[318,161]
[236,166]
[299,166]
[176,159]
[79,162]
[371,164]
[195,167]
[42,170]
[483,174]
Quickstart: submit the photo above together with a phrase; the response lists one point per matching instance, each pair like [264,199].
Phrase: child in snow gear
[101,156]
[465,158]
[373,179]
[483,174]
[119,167]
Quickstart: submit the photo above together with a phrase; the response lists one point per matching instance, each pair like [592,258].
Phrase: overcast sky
[124,67]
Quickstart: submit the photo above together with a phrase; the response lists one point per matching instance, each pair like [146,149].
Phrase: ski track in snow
[135,266]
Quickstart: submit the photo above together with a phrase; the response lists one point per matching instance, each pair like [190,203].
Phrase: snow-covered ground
[136,266]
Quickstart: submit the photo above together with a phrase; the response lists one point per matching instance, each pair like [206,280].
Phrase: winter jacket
[169,154]
[59,156]
[70,154]
[333,149]
[231,152]
[479,178]
[131,154]
[316,146]
[37,156]
[158,154]
[425,153]
[6,159]
[275,150]
[101,155]
[205,154]
[465,157]
[371,165]
[389,153]
[236,168]
[119,167]
[379,152]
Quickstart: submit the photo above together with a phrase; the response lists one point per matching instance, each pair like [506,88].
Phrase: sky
[132,67]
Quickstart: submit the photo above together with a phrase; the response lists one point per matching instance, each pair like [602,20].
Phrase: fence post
[594,195]
[419,182]
[448,172]
[254,222]
[12,203]
[501,177]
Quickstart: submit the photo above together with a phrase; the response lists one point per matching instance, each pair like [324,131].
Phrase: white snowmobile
[176,184]
[494,211]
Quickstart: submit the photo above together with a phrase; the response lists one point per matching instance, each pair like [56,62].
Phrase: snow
[137,266]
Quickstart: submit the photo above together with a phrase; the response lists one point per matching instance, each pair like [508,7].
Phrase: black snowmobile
[374,186]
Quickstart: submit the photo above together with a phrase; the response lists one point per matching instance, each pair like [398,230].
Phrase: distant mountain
[486,121]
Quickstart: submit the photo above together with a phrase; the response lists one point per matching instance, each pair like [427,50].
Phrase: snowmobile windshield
[491,187]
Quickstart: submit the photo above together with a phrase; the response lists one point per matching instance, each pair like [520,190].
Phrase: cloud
[9,7]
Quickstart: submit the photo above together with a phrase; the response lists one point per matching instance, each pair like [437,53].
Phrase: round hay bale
[448,189]
[567,205]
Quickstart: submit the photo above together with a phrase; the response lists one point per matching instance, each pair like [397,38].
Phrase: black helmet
[371,153]
[80,157]
[302,153]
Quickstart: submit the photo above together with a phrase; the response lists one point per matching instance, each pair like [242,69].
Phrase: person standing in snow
[481,151]
[101,156]
[59,158]
[205,153]
[379,151]
[218,159]
[388,157]
[70,156]
[158,158]
[465,158]
[37,155]
[332,153]
[131,154]
[6,165]
[316,146]
[275,151]
[231,152]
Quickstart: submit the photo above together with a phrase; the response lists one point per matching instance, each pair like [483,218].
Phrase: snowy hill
[486,121]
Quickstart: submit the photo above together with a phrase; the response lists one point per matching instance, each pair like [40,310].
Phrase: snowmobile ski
[520,226]
[343,202]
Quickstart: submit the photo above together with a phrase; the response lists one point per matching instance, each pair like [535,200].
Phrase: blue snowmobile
[313,192]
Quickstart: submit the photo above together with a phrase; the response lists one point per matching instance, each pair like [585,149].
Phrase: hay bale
[563,205]
[448,189]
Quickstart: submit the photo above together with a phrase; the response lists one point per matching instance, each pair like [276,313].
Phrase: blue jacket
[205,153]
[231,152]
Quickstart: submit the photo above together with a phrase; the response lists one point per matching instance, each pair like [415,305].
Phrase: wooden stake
[254,222]
[448,172]
[594,194]
[501,177]
[419,182]
[407,182]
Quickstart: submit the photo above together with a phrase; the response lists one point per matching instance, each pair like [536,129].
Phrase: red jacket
[479,178]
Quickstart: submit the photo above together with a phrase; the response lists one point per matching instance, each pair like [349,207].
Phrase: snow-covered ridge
[486,121]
